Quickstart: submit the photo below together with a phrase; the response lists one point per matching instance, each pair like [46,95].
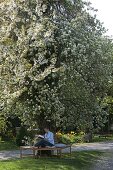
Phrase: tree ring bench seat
[35,149]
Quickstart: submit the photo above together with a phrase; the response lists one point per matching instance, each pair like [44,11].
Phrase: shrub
[24,137]
[7,135]
[21,137]
[68,138]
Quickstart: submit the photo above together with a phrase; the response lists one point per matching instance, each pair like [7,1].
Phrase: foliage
[108,104]
[25,136]
[21,137]
[3,124]
[55,63]
[29,60]
[7,145]
[96,138]
[87,74]
[69,138]
[8,135]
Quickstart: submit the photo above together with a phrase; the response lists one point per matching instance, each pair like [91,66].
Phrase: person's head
[46,129]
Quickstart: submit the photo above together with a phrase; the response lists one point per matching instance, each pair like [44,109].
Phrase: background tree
[87,74]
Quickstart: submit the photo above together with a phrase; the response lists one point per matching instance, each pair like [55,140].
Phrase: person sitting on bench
[47,140]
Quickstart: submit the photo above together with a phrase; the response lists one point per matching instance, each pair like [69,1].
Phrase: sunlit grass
[78,161]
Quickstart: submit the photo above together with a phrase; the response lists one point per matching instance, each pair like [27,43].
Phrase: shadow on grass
[78,161]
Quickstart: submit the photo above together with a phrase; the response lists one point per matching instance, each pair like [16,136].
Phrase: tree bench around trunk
[35,149]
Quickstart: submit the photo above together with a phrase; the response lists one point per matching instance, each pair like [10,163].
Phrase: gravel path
[105,162]
[5,155]
[93,146]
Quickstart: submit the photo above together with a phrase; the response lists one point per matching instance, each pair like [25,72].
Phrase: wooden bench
[35,149]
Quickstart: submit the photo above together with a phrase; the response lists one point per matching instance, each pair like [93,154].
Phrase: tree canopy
[55,63]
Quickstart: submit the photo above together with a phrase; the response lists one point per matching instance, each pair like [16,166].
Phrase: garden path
[105,162]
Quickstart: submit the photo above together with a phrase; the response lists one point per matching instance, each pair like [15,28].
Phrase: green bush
[24,137]
[21,137]
[7,135]
[65,139]
[69,138]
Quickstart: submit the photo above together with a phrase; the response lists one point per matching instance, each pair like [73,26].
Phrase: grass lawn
[102,139]
[7,145]
[79,161]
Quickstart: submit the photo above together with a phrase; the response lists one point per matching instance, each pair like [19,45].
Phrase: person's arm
[39,136]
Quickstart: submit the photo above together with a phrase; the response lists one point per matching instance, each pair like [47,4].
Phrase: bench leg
[20,153]
[60,153]
[70,151]
[40,153]
[34,154]
[57,153]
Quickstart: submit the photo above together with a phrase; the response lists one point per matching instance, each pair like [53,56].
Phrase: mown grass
[78,161]
[7,145]
[96,138]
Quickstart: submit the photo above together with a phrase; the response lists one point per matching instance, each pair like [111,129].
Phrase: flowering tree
[55,64]
[30,58]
